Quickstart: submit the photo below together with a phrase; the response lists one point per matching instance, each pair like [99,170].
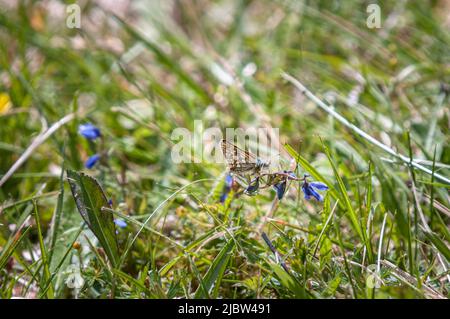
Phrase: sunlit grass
[362,110]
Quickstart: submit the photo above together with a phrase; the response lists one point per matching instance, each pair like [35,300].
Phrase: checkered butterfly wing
[238,160]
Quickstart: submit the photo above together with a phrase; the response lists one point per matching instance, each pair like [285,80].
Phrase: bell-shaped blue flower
[120,222]
[226,188]
[280,188]
[318,185]
[228,181]
[253,188]
[91,161]
[309,189]
[89,131]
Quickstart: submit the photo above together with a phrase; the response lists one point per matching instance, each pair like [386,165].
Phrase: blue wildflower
[253,188]
[228,181]
[89,131]
[280,188]
[226,188]
[91,161]
[309,189]
[120,222]
[223,198]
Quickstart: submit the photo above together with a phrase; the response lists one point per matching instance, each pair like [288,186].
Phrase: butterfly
[253,174]
[250,171]
[242,162]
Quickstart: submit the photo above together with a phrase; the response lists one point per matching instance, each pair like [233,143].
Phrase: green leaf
[135,283]
[216,270]
[287,281]
[333,285]
[90,198]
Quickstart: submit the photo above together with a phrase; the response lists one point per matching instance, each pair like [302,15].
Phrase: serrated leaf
[89,199]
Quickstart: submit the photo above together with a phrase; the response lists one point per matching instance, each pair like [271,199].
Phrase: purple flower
[89,131]
[120,222]
[91,161]
[253,188]
[280,188]
[309,189]
[226,188]
[228,181]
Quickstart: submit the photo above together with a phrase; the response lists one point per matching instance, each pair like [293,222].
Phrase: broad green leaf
[89,199]
[333,285]
[287,281]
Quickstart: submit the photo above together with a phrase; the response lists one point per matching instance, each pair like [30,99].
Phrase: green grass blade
[344,195]
[288,282]
[44,257]
[10,247]
[216,270]
[439,244]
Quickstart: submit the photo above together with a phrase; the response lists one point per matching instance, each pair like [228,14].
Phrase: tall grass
[362,110]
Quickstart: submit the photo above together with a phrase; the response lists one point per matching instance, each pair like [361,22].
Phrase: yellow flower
[5,103]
